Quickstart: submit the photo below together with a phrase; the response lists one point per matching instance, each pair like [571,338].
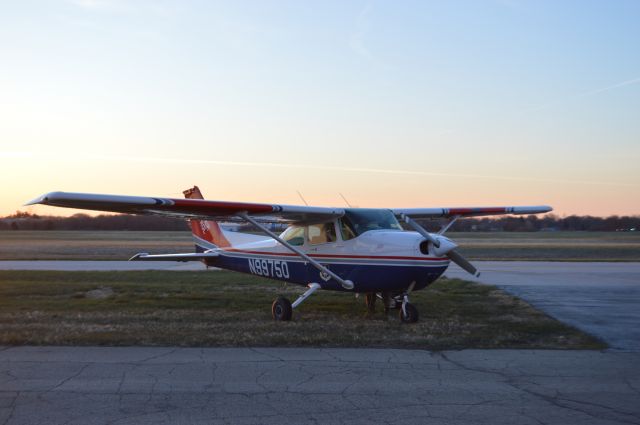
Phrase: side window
[346,230]
[294,235]
[321,233]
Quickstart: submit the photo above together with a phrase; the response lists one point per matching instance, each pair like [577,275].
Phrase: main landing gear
[282,309]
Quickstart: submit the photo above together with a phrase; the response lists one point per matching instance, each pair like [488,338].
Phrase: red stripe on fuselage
[375,257]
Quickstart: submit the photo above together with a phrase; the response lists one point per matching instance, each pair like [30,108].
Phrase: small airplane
[359,250]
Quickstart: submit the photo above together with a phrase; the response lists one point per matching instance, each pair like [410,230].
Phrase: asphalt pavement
[602,299]
[141,385]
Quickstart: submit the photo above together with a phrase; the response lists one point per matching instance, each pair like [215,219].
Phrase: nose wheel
[408,313]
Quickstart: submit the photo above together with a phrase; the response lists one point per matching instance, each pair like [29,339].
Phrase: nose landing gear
[400,300]
[408,312]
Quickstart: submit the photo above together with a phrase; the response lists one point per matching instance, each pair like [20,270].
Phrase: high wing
[422,213]
[189,208]
[230,211]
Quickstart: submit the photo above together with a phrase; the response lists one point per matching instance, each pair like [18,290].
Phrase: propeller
[463,263]
[444,246]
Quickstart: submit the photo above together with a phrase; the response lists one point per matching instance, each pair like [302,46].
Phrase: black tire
[281,309]
[411,315]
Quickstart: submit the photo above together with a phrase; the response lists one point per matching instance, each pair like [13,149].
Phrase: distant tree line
[26,221]
[549,222]
[532,223]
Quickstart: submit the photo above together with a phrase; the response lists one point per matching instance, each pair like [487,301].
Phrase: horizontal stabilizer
[190,256]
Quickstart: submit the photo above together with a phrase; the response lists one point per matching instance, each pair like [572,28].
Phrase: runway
[600,298]
[138,385]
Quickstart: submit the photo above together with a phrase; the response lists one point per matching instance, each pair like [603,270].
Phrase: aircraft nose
[442,246]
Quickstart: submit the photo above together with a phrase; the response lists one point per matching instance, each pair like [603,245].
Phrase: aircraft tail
[207,233]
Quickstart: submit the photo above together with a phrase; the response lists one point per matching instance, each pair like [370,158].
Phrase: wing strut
[449,224]
[346,284]
[313,287]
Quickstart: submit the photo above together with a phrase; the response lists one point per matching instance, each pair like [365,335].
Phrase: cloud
[363,26]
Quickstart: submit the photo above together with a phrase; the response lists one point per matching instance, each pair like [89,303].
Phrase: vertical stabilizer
[207,233]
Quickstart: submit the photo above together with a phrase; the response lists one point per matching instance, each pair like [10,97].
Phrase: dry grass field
[109,245]
[550,246]
[89,245]
[231,309]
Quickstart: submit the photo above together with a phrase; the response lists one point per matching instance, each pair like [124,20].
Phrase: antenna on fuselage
[345,200]
[301,197]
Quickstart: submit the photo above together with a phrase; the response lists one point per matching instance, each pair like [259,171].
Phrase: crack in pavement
[553,400]
[389,387]
[158,356]
[12,406]
[64,381]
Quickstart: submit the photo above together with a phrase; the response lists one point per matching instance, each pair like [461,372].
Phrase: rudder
[208,232]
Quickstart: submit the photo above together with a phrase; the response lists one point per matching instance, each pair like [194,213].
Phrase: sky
[391,104]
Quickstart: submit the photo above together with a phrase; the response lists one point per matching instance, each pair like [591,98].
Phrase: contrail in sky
[363,24]
[586,94]
[300,167]
[615,86]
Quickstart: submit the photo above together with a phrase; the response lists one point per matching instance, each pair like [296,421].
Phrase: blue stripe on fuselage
[368,274]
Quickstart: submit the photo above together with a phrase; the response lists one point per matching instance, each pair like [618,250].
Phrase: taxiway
[141,385]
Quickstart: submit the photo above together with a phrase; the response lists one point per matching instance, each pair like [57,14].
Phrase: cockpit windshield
[357,221]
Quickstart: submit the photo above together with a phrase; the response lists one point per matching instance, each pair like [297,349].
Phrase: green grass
[110,245]
[230,309]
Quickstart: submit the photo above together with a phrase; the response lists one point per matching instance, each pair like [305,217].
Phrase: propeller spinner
[444,246]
